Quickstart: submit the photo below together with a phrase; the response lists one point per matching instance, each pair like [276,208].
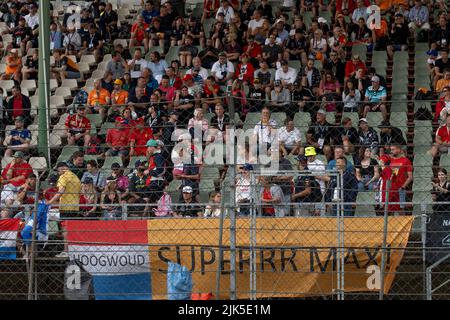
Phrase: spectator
[32,18]
[311,77]
[398,35]
[307,193]
[336,67]
[121,180]
[338,42]
[18,105]
[11,18]
[441,193]
[443,106]
[195,30]
[137,65]
[297,47]
[265,77]
[318,46]
[270,197]
[67,197]
[65,67]
[108,81]
[366,79]
[360,34]
[352,66]
[339,152]
[187,52]
[13,67]
[223,70]
[88,198]
[390,135]
[245,71]
[94,173]
[443,83]
[368,137]
[184,105]
[139,137]
[72,40]
[418,17]
[302,97]
[77,164]
[30,68]
[238,94]
[264,130]
[280,97]
[22,35]
[244,189]
[285,74]
[211,93]
[402,177]
[317,168]
[137,195]
[329,91]
[14,175]
[346,136]
[198,73]
[108,22]
[168,92]
[440,36]
[117,66]
[117,140]
[169,128]
[349,185]
[375,98]
[440,65]
[149,11]
[156,169]
[78,128]
[98,99]
[174,80]
[188,206]
[284,180]
[272,52]
[213,209]
[56,36]
[18,139]
[367,172]
[351,97]
[256,96]
[359,12]
[26,193]
[209,55]
[198,124]
[157,65]
[319,134]
[92,43]
[227,11]
[220,120]
[110,201]
[442,140]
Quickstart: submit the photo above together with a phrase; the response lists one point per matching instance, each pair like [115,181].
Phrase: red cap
[385,158]
[188,77]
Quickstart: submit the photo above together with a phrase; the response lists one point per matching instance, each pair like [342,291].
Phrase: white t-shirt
[253,24]
[243,188]
[317,166]
[264,133]
[289,138]
[318,45]
[32,21]
[139,66]
[288,76]
[217,69]
[203,73]
[228,13]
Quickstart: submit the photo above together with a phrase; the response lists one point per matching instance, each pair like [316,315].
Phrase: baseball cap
[152,143]
[188,77]
[88,180]
[301,158]
[385,158]
[247,167]
[310,151]
[187,189]
[19,118]
[321,111]
[363,120]
[19,154]
[322,20]
[222,54]
[173,113]
[375,79]
[115,165]
[118,82]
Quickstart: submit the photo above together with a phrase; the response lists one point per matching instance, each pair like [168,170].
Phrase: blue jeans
[362,184]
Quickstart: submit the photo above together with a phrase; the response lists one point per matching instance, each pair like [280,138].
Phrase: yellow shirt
[72,190]
[441,84]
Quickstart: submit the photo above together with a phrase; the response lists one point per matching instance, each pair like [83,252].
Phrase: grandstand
[135,80]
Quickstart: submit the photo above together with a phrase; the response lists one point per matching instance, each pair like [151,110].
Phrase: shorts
[72,75]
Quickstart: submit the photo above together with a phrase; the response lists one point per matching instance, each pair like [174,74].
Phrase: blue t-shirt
[24,134]
[148,15]
[375,95]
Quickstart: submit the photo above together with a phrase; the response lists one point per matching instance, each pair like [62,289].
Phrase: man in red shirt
[353,65]
[14,175]
[402,176]
[78,128]
[117,139]
[139,137]
[254,51]
[442,142]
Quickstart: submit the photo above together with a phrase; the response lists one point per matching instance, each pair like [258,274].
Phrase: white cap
[187,189]
[322,20]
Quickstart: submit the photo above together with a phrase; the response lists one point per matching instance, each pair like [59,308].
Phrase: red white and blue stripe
[8,236]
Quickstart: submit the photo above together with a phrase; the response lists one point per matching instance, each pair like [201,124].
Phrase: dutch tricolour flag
[116,254]
[8,236]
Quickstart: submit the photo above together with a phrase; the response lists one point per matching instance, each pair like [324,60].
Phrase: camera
[224,74]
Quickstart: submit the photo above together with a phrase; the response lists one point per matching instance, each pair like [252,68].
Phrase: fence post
[219,264]
[423,223]
[253,239]
[385,230]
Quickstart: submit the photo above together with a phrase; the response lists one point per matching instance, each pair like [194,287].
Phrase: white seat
[102,66]
[64,92]
[89,59]
[60,130]
[7,38]
[98,74]
[52,61]
[55,141]
[38,163]
[70,83]
[25,92]
[107,57]
[123,42]
[34,100]
[89,82]
[57,101]
[34,129]
[84,69]
[6,85]
[53,84]
[6,161]
[2,67]
[28,84]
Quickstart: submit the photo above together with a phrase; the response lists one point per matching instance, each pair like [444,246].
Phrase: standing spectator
[368,137]
[307,192]
[317,167]
[270,197]
[77,164]
[398,35]
[375,98]
[244,189]
[98,99]
[19,105]
[139,137]
[88,198]
[93,172]
[18,139]
[367,172]
[67,197]
[213,209]
[78,128]
[188,206]
[402,176]
[390,135]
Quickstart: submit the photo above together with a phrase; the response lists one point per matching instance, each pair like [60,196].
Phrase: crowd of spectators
[267,60]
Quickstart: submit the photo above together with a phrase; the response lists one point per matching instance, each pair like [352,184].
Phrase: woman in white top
[243,190]
[351,97]
[213,209]
[289,138]
[199,122]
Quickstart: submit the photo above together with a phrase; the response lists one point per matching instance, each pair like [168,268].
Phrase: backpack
[94,145]
[423,113]
[424,94]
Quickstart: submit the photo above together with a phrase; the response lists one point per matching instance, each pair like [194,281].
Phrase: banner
[295,257]
[438,236]
[8,236]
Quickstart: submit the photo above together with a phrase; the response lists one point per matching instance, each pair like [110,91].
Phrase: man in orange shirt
[119,98]
[117,140]
[98,98]
[380,35]
[139,137]
[13,66]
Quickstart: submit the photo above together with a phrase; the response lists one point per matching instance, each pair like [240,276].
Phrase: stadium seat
[105,127]
[38,163]
[63,92]
[88,59]
[6,85]
[54,140]
[123,42]
[110,160]
[302,120]
[53,84]
[28,84]
[67,152]
[72,84]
